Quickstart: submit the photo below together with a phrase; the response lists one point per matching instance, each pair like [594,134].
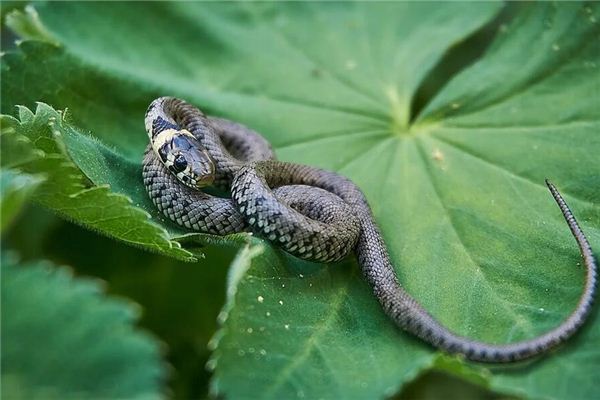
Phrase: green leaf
[27,25]
[35,144]
[295,329]
[15,188]
[457,190]
[436,385]
[63,339]
[160,285]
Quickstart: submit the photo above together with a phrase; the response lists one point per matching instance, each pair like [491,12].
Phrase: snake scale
[309,212]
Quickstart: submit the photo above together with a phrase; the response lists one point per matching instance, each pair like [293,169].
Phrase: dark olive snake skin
[317,215]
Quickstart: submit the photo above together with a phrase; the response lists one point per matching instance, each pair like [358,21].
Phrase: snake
[311,213]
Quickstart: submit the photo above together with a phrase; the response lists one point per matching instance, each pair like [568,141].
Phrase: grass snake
[311,213]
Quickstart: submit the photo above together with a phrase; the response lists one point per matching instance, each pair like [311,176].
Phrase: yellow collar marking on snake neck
[162,137]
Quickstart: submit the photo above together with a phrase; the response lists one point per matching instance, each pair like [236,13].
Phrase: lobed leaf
[63,339]
[41,150]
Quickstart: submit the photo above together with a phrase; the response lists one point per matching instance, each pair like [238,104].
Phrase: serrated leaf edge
[26,116]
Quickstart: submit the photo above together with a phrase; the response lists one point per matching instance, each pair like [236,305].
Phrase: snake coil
[309,212]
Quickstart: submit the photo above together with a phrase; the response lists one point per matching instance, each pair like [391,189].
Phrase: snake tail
[409,315]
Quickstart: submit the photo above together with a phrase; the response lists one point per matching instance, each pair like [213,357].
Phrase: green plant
[448,116]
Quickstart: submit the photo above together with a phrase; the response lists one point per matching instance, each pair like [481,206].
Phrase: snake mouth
[204,181]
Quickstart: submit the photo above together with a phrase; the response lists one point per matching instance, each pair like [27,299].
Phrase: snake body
[313,214]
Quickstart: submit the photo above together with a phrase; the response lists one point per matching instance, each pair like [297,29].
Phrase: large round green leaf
[457,188]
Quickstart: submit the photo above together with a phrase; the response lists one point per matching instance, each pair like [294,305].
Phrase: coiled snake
[311,213]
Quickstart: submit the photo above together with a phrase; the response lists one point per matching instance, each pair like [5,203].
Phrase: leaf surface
[63,339]
[35,144]
[457,189]
[295,329]
[15,188]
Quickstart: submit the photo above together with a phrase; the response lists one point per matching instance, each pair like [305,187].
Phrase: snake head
[185,157]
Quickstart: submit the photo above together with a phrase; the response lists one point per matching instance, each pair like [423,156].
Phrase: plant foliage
[456,185]
[63,339]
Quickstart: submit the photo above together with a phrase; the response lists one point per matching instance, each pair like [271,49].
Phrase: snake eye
[179,164]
